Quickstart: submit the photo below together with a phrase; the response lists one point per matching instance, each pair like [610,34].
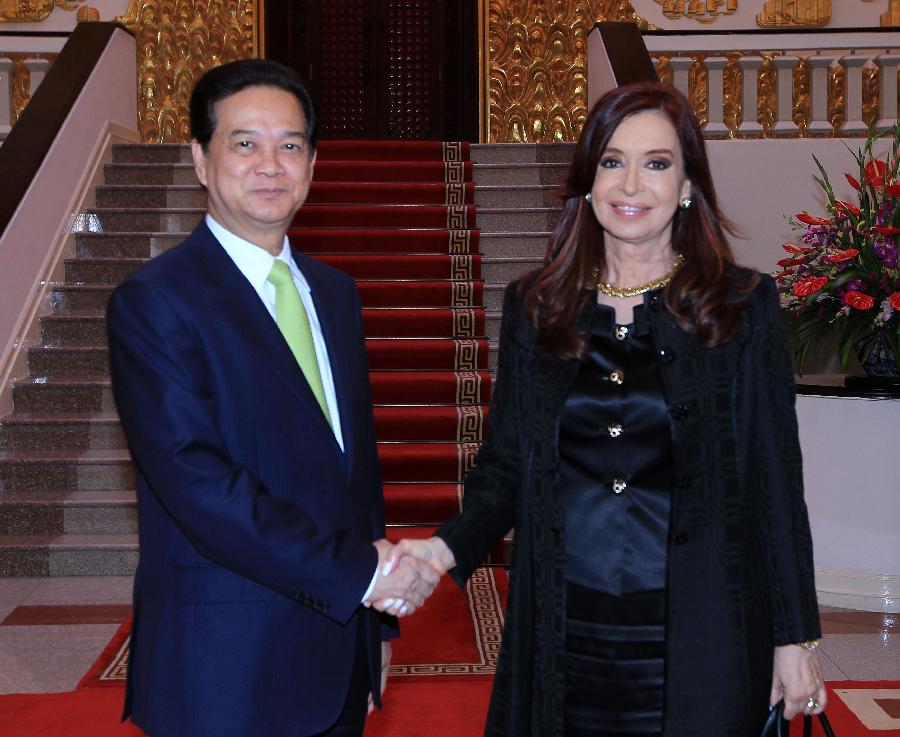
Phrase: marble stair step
[125,245]
[81,297]
[532,244]
[514,153]
[74,328]
[71,430]
[144,219]
[504,269]
[99,271]
[553,173]
[517,195]
[109,554]
[506,219]
[87,470]
[151,195]
[157,153]
[72,395]
[67,511]
[150,173]
[70,361]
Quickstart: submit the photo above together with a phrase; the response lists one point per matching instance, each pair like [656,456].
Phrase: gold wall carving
[705,11]
[891,16]
[32,11]
[792,13]
[537,65]
[20,82]
[178,40]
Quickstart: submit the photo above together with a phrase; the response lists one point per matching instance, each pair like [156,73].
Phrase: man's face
[258,165]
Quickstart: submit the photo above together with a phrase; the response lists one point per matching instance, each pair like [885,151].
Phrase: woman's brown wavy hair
[705,296]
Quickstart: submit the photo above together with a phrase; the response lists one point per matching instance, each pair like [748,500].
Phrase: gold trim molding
[178,40]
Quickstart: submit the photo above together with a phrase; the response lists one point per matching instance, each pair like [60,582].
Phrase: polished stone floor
[53,629]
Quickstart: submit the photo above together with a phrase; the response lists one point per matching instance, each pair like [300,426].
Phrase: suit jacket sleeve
[776,457]
[170,419]
[491,488]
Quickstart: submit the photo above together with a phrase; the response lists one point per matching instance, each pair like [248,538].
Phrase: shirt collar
[254,262]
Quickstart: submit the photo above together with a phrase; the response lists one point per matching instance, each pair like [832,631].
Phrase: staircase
[431,287]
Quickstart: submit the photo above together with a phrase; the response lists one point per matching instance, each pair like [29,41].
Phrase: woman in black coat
[644,447]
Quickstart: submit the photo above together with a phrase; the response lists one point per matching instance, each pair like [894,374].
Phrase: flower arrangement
[843,282]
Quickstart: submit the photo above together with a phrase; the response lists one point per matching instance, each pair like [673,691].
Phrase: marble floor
[53,629]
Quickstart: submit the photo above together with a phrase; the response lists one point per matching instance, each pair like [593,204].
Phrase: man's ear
[199,156]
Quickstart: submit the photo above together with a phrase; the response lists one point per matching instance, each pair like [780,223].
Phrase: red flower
[805,217]
[785,274]
[886,231]
[876,173]
[847,208]
[791,248]
[853,182]
[894,300]
[859,301]
[838,256]
[805,287]
[892,190]
[786,262]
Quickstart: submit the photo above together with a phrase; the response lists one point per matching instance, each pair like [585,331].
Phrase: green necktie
[293,322]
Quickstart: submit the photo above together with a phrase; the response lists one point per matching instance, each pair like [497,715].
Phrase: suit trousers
[352,720]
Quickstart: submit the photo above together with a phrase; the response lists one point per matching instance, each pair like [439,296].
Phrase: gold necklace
[612,290]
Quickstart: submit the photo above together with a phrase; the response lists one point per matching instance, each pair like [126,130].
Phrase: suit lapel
[239,306]
[335,335]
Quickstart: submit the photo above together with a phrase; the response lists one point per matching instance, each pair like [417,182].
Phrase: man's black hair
[225,80]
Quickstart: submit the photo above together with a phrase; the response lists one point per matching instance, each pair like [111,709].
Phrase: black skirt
[615,663]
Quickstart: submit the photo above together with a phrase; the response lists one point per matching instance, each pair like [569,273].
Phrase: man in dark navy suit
[240,375]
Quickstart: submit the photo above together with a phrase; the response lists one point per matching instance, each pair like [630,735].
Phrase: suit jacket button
[680,539]
[679,411]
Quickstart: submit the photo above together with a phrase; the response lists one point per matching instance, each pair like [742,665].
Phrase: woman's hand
[797,678]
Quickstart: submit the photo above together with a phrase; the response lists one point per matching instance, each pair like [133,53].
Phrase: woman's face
[640,181]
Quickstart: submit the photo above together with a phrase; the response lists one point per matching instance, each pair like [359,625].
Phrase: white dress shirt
[255,264]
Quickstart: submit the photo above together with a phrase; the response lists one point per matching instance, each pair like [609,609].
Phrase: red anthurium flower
[805,217]
[847,208]
[785,274]
[853,182]
[892,190]
[876,173]
[805,287]
[787,262]
[886,231]
[838,256]
[894,300]
[859,301]
[791,248]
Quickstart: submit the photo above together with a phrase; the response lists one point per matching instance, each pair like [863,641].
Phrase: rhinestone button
[621,332]
[618,486]
[615,430]
[617,377]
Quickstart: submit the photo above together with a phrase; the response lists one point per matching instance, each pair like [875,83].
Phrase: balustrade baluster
[853,107]
[784,82]
[715,125]
[6,68]
[819,67]
[681,67]
[887,85]
[750,67]
[38,70]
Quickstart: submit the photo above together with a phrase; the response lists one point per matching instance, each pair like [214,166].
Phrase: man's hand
[385,666]
[403,582]
[430,554]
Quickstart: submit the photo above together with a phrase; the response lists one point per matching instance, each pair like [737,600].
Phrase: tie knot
[280,273]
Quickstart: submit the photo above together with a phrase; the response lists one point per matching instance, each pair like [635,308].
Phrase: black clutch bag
[776,726]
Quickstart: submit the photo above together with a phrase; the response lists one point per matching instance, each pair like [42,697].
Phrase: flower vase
[880,365]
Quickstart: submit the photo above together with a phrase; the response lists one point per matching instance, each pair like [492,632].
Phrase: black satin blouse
[616,461]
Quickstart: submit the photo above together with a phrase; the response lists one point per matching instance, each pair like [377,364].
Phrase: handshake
[408,573]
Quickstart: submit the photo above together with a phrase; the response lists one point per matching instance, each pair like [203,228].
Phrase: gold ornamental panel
[704,11]
[32,11]
[794,13]
[178,40]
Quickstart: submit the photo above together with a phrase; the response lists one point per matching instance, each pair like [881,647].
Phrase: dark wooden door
[383,69]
